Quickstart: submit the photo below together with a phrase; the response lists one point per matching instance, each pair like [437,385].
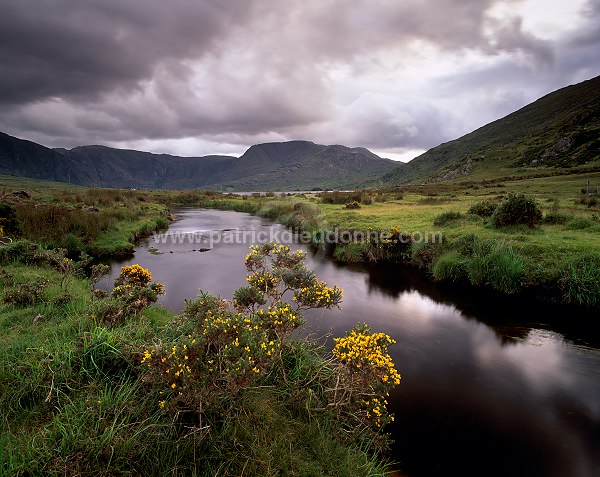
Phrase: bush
[227,349]
[133,291]
[517,210]
[483,209]
[446,218]
[27,293]
[555,218]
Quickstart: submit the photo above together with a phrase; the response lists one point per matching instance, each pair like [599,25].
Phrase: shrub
[580,282]
[133,291]
[516,210]
[446,218]
[483,209]
[229,347]
[18,251]
[27,293]
[555,218]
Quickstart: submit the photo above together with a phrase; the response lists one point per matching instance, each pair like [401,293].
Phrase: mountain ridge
[264,166]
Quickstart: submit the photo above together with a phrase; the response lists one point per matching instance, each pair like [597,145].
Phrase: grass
[539,256]
[101,222]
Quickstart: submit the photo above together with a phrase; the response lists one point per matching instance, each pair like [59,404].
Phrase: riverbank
[446,230]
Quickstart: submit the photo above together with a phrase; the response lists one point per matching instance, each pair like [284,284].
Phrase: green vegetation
[541,233]
[78,396]
[222,389]
[516,210]
[100,222]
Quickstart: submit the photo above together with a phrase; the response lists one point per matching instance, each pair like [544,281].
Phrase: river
[491,385]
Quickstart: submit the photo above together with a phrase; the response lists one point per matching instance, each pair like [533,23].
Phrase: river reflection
[490,385]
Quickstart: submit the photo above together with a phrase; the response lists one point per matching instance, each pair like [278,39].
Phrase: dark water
[490,385]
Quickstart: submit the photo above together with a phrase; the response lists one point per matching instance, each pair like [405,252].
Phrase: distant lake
[491,385]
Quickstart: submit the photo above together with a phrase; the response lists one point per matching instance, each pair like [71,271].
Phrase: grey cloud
[242,71]
[72,47]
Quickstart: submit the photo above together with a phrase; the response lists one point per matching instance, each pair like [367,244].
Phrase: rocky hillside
[559,130]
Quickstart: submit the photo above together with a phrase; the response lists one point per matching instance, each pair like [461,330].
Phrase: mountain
[301,165]
[561,129]
[109,167]
[291,165]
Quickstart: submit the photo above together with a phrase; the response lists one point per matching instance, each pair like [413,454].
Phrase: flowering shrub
[134,275]
[228,346]
[133,291]
[27,293]
[369,371]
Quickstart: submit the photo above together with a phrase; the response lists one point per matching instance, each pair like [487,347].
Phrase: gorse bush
[516,210]
[483,209]
[228,348]
[133,291]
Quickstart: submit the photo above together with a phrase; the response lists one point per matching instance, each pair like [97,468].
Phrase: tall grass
[483,263]
[498,265]
[580,281]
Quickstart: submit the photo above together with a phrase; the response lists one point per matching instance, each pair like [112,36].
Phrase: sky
[198,77]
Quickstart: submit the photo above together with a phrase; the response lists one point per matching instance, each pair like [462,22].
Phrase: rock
[562,146]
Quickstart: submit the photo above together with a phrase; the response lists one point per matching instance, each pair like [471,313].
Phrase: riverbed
[491,384]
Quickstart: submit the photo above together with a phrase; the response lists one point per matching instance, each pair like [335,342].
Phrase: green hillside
[559,130]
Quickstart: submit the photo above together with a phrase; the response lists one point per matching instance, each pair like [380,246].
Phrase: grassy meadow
[558,258]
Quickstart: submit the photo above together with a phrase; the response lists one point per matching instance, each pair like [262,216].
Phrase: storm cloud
[204,76]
